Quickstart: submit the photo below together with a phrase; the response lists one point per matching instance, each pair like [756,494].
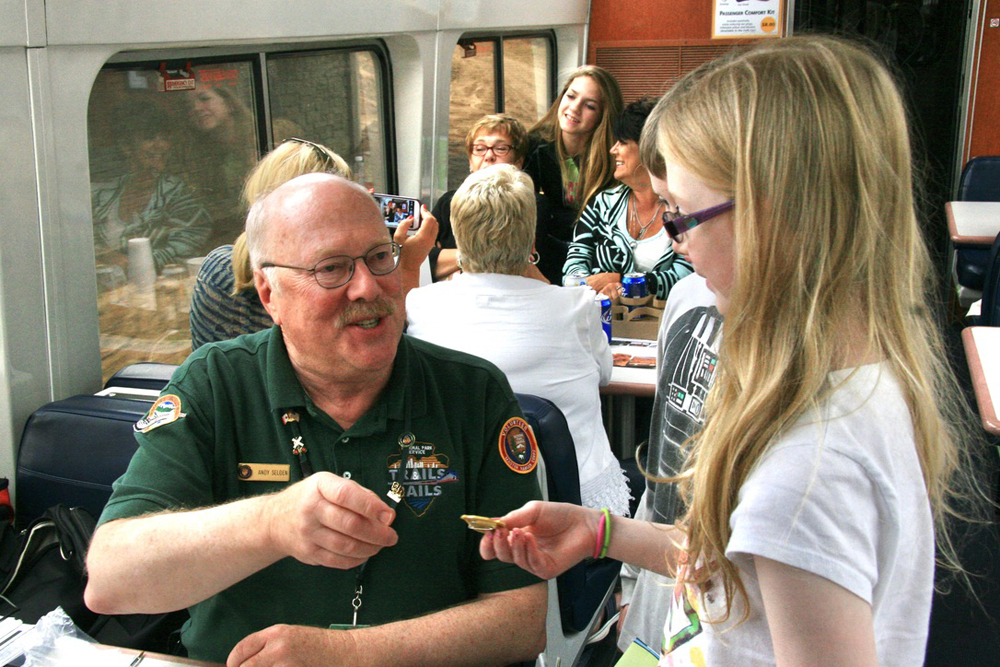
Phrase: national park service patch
[165,410]
[518,447]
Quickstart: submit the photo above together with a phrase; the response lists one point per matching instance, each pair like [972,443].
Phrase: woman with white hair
[548,340]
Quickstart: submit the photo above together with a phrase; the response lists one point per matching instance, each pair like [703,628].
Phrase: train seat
[577,597]
[72,450]
[989,312]
[980,181]
[142,375]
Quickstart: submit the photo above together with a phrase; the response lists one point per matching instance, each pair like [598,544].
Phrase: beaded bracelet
[603,534]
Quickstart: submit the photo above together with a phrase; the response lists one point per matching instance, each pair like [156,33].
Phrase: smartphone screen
[395,209]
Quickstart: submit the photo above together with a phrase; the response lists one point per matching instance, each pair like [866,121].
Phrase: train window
[169,150]
[335,97]
[492,74]
[527,77]
[170,147]
[473,95]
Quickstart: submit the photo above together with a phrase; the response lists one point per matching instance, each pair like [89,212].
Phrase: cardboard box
[636,318]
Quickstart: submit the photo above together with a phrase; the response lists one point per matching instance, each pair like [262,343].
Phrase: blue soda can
[605,314]
[634,285]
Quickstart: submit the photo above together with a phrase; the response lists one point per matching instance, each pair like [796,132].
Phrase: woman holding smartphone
[820,482]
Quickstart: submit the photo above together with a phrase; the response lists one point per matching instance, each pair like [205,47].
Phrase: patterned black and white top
[602,244]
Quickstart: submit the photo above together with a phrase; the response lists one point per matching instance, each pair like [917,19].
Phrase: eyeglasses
[338,270]
[499,150]
[321,154]
[677,225]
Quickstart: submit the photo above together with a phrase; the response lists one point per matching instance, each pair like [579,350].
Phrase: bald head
[299,201]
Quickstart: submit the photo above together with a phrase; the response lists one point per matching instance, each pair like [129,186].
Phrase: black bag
[43,567]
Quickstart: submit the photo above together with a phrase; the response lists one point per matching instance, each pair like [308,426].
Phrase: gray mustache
[366,310]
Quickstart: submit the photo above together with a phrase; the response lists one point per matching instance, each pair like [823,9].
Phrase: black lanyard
[396,490]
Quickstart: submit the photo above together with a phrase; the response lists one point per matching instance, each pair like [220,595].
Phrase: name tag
[263,472]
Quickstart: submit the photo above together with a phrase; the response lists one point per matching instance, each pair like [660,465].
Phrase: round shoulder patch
[518,447]
[165,410]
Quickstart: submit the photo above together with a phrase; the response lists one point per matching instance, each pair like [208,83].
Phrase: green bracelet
[607,532]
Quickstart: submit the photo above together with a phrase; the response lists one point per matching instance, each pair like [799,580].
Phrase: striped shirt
[215,313]
[601,244]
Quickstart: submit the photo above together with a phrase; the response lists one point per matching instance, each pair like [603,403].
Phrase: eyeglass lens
[498,149]
[677,225]
[335,271]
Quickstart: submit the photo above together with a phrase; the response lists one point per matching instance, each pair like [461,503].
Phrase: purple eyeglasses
[677,225]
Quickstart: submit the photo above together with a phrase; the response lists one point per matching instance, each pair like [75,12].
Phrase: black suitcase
[72,450]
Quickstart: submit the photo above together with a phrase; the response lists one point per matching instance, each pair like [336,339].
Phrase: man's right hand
[328,520]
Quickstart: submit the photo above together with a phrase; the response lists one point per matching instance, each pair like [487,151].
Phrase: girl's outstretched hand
[543,538]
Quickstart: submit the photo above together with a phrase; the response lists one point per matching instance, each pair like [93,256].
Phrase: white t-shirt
[548,341]
[840,495]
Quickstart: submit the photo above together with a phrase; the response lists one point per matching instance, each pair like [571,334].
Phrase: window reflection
[167,167]
[169,152]
[473,95]
[527,76]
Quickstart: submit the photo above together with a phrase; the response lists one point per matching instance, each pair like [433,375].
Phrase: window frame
[257,58]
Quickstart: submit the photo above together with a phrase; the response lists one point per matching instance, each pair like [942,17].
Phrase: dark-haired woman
[621,230]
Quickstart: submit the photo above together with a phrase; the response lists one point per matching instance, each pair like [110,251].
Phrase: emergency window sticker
[518,447]
[165,410]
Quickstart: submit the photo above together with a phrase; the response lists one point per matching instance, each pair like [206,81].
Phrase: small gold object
[482,524]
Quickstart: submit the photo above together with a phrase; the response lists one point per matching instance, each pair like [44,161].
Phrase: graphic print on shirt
[694,367]
[425,475]
[683,621]
[689,605]
[689,361]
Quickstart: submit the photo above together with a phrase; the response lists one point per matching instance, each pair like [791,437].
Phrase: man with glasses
[314,474]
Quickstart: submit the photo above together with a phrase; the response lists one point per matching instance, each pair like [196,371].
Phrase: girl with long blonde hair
[568,159]
[830,451]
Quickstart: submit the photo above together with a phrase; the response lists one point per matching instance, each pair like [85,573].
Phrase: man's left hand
[294,645]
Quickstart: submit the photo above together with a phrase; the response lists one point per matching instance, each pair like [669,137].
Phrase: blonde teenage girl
[823,473]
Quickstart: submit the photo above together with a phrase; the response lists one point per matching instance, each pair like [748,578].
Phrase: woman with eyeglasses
[817,490]
[493,139]
[547,340]
[621,229]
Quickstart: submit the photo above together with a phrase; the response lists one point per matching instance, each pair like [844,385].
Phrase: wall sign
[746,18]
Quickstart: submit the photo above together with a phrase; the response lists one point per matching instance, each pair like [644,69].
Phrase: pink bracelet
[600,537]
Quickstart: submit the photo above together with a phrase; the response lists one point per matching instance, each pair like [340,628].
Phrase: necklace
[635,218]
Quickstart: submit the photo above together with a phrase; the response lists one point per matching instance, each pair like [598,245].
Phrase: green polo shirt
[217,435]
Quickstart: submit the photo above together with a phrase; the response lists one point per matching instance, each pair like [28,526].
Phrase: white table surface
[982,350]
[973,222]
[630,380]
